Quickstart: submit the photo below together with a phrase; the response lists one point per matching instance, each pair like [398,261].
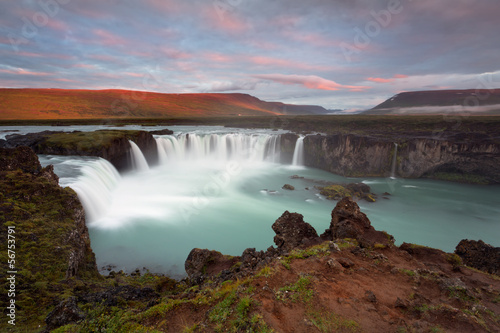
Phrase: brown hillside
[77,104]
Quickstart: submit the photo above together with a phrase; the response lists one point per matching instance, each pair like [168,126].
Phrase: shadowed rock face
[291,231]
[349,222]
[356,155]
[111,145]
[479,255]
[26,183]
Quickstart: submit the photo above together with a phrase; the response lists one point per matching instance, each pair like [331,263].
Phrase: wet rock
[479,255]
[66,312]
[291,231]
[349,222]
[288,187]
[165,131]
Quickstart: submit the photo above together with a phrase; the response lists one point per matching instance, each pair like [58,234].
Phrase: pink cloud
[65,80]
[107,38]
[175,54]
[382,80]
[86,66]
[103,57]
[22,71]
[379,80]
[270,61]
[57,25]
[217,57]
[224,20]
[134,74]
[310,81]
[313,39]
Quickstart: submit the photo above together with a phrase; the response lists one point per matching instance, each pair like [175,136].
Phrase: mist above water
[222,190]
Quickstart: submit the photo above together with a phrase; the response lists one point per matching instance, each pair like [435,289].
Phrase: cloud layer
[335,53]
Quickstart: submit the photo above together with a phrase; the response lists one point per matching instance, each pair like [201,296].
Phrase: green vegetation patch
[88,141]
[301,291]
[327,322]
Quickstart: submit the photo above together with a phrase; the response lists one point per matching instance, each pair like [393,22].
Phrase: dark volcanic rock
[21,158]
[64,313]
[165,131]
[201,263]
[111,296]
[349,222]
[479,255]
[291,231]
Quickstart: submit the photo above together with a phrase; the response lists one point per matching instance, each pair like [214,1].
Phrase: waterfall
[394,160]
[139,162]
[94,187]
[298,153]
[219,147]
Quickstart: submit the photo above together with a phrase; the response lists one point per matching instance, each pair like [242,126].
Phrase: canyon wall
[355,156]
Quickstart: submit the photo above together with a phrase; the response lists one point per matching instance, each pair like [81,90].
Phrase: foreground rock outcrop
[292,232]
[479,255]
[349,222]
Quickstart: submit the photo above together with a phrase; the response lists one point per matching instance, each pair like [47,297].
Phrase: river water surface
[221,189]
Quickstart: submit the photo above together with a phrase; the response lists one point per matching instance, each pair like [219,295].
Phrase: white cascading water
[394,160]
[94,187]
[139,162]
[298,154]
[222,191]
[220,147]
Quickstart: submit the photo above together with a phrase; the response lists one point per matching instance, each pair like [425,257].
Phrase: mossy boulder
[353,190]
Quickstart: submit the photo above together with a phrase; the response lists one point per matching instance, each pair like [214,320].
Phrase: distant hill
[476,101]
[77,104]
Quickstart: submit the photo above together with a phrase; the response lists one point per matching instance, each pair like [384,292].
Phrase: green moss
[407,272]
[88,141]
[453,259]
[335,192]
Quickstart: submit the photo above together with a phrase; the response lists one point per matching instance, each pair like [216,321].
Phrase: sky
[340,54]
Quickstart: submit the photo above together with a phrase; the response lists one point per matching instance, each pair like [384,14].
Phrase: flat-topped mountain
[77,104]
[474,101]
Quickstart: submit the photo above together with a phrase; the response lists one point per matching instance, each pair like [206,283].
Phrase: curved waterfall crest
[221,147]
[95,186]
[99,179]
[139,162]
